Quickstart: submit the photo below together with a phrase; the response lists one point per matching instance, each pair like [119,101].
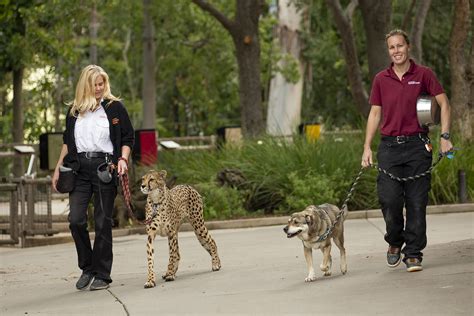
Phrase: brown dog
[309,225]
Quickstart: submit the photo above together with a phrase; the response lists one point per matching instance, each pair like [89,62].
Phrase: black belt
[92,154]
[404,139]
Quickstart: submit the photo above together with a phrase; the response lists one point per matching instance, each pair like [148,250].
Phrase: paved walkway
[263,274]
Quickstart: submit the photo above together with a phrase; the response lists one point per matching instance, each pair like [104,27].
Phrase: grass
[285,176]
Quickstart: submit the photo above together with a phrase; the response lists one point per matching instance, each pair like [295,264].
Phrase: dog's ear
[309,219]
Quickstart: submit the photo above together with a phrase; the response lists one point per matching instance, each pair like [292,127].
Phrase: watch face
[445,135]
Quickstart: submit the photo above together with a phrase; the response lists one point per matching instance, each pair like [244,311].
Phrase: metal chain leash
[356,181]
[420,175]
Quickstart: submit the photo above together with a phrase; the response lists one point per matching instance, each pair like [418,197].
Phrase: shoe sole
[99,288]
[414,269]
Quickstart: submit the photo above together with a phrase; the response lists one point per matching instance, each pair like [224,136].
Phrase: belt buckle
[87,155]
[401,139]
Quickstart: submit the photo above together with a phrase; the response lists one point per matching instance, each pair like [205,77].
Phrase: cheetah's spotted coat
[172,207]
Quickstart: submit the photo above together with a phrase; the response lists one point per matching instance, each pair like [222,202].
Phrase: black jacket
[121,132]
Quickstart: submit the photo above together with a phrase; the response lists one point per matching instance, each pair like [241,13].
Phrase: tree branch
[225,21]
[407,17]
[354,73]
[349,12]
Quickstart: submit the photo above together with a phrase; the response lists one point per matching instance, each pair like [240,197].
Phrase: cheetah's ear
[162,173]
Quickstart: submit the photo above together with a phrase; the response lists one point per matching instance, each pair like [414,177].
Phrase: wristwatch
[445,136]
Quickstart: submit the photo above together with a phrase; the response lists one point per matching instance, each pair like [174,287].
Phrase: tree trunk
[461,73]
[407,17]
[417,30]
[354,73]
[244,32]
[18,121]
[247,46]
[93,31]
[376,15]
[149,64]
[59,94]
[284,104]
[128,71]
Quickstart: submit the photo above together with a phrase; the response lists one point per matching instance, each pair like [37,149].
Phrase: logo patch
[115,121]
[414,82]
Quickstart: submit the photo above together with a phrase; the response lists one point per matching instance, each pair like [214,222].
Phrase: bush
[221,202]
[289,175]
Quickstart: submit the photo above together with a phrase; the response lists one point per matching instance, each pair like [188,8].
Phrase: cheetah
[165,211]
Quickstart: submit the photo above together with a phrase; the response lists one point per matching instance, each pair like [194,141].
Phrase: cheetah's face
[153,180]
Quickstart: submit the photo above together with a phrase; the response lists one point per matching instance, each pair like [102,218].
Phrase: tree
[93,30]
[462,79]
[149,55]
[284,104]
[13,54]
[416,33]
[343,21]
[376,16]
[244,32]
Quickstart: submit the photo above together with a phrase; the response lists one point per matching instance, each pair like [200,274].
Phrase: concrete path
[263,274]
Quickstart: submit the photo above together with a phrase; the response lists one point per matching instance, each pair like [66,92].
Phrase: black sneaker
[84,281]
[413,264]
[99,284]
[393,256]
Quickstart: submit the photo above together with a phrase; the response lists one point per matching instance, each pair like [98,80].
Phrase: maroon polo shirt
[398,98]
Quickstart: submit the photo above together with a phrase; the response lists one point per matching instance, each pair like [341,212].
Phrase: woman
[405,148]
[98,136]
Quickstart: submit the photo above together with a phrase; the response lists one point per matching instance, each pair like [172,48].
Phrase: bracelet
[124,159]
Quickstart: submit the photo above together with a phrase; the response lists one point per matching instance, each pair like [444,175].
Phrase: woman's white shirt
[92,132]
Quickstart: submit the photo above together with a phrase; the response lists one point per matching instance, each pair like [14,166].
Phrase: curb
[66,237]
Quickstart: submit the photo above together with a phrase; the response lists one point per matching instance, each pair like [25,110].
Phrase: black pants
[403,160]
[96,260]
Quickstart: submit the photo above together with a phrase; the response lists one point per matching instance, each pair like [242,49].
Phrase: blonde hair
[84,99]
[398,32]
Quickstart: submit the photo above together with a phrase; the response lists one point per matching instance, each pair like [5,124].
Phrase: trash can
[312,131]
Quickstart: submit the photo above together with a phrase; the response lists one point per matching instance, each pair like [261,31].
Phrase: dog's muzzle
[290,234]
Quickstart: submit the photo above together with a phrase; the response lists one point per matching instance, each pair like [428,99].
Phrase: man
[405,149]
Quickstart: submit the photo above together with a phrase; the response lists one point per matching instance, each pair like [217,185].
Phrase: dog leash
[356,181]
[127,199]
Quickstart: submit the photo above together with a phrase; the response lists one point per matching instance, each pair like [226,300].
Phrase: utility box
[49,149]
[145,149]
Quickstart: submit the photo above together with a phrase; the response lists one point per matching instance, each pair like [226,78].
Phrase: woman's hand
[445,146]
[366,158]
[122,166]
[54,181]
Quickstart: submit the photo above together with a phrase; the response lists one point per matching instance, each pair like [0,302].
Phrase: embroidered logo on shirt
[414,82]
[115,121]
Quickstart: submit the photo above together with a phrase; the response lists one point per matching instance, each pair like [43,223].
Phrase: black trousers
[403,160]
[96,260]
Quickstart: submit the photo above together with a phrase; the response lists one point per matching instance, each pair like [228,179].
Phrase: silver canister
[428,111]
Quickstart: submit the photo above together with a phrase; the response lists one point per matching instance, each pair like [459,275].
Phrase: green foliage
[444,180]
[221,202]
[196,70]
[290,175]
[310,188]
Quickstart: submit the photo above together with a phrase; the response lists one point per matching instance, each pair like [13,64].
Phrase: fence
[25,210]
